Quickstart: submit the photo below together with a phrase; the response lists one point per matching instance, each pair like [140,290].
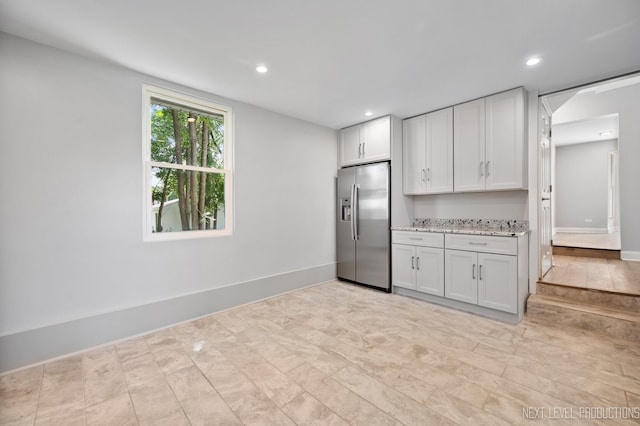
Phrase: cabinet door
[376,139]
[403,271]
[350,148]
[505,148]
[413,156]
[498,282]
[469,146]
[439,151]
[461,271]
[430,270]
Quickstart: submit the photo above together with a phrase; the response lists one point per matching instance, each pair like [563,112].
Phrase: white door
[468,145]
[461,275]
[404,263]
[350,147]
[498,282]
[439,151]
[413,156]
[430,270]
[546,231]
[612,172]
[376,139]
[504,150]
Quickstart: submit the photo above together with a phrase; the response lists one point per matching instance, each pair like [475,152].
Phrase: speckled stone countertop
[501,227]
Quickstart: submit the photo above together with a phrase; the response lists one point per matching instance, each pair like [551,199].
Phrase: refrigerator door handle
[356,207]
[353,210]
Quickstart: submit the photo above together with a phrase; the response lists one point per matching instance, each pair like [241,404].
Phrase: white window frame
[187,101]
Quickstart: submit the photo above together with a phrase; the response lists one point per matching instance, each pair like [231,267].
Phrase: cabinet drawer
[424,239]
[482,243]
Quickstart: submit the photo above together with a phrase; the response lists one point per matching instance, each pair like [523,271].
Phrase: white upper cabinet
[350,146]
[413,155]
[489,143]
[469,146]
[428,153]
[366,142]
[439,151]
[505,152]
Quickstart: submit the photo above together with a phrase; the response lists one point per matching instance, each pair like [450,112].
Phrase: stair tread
[585,307]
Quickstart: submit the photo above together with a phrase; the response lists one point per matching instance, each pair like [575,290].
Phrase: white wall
[71,194]
[473,205]
[626,102]
[581,190]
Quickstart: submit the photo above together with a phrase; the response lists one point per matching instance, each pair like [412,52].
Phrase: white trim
[187,167]
[581,230]
[150,91]
[630,255]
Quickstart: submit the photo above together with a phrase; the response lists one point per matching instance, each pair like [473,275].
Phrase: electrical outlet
[588,220]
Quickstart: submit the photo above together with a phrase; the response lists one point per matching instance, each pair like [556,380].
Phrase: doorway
[579,213]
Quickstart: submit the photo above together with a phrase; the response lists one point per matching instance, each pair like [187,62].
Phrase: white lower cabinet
[461,281]
[418,261]
[488,280]
[419,268]
[488,272]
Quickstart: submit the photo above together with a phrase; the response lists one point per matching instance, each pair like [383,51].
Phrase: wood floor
[336,354]
[596,241]
[614,275]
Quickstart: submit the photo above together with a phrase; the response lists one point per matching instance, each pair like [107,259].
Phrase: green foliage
[164,181]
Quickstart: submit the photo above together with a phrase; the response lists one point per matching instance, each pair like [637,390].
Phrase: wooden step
[586,252]
[549,310]
[602,298]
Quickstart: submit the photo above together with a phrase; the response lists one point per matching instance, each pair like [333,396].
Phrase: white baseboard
[630,255]
[582,230]
[39,345]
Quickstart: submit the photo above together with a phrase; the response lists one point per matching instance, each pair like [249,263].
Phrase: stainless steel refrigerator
[363,222]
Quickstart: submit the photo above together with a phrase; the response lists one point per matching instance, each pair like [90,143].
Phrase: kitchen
[75,272]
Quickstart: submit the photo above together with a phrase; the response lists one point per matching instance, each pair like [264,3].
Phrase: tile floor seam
[215,390]
[126,385]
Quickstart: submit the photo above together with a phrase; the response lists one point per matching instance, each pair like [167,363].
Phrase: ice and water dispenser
[345,209]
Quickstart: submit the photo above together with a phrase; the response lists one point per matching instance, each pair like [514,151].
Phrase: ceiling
[329,61]
[581,115]
[587,130]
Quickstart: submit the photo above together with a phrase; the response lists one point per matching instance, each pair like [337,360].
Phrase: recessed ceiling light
[606,133]
[262,69]
[533,61]
[368,113]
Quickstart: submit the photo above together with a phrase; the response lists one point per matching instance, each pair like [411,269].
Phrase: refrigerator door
[345,242]
[372,224]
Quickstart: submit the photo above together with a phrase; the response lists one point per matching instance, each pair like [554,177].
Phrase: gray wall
[71,195]
[473,205]
[581,185]
[626,102]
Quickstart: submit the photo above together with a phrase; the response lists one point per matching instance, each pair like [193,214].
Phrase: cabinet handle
[480,272]
[473,271]
[486,168]
[428,175]
[477,244]
[418,263]
[412,259]
[359,150]
[423,175]
[481,168]
[363,154]
[415,239]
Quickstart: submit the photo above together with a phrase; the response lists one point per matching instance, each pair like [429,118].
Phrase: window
[187,159]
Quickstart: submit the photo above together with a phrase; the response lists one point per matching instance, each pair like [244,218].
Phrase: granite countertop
[501,228]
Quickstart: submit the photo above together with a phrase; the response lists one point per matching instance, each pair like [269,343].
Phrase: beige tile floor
[332,354]
[617,276]
[597,241]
